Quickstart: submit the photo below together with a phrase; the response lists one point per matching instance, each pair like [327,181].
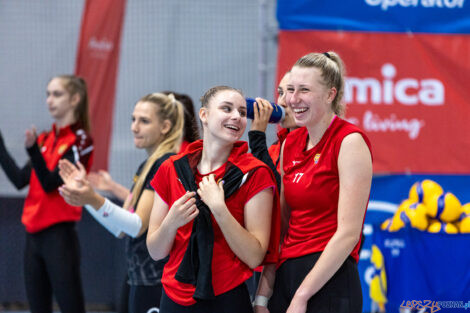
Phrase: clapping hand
[30,137]
[76,189]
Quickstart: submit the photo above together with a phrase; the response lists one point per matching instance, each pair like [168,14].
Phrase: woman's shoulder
[353,132]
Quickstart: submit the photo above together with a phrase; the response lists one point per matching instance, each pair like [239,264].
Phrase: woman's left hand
[30,137]
[297,306]
[212,193]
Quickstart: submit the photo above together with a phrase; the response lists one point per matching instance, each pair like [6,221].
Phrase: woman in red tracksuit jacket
[52,252]
[215,237]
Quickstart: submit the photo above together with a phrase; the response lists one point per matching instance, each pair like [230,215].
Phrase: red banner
[407,91]
[97,62]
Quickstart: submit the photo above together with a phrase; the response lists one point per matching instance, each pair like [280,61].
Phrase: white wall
[182,45]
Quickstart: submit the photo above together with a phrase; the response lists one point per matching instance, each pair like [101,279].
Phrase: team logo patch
[316,158]
[62,148]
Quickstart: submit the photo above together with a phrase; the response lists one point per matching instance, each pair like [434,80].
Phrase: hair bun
[172,98]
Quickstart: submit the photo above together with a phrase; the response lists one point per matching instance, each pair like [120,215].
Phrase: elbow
[137,230]
[252,264]
[159,257]
[256,260]
[155,253]
[350,238]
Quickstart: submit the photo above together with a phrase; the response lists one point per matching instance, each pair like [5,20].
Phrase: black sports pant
[236,300]
[341,294]
[52,266]
[144,299]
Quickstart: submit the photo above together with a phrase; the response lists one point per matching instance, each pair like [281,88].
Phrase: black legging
[341,294]
[52,266]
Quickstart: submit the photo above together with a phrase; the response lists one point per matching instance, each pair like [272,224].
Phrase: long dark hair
[191,129]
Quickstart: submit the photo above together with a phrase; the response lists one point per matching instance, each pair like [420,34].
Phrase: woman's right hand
[101,180]
[76,189]
[262,110]
[182,211]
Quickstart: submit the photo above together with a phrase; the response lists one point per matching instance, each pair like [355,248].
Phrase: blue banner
[421,16]
[421,266]
[387,192]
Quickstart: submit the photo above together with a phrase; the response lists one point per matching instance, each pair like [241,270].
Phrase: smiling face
[308,97]
[288,121]
[224,117]
[60,102]
[147,127]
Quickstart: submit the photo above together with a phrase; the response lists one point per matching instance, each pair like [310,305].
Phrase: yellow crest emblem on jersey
[62,148]
[316,158]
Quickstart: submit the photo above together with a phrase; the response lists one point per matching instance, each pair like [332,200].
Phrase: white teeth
[232,127]
[300,110]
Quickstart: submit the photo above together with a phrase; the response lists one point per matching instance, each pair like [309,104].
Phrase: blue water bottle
[277,115]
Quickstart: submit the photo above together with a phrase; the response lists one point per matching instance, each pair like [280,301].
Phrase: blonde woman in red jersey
[326,169]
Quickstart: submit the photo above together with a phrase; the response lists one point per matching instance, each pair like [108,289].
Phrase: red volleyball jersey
[43,209]
[228,271]
[311,189]
[275,149]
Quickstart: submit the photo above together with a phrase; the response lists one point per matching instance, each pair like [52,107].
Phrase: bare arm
[164,223]
[249,243]
[268,276]
[355,175]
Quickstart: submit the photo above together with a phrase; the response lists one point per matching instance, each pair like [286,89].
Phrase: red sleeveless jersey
[311,189]
[228,271]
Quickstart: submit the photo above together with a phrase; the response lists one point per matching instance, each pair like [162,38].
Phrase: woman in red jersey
[214,214]
[52,252]
[326,169]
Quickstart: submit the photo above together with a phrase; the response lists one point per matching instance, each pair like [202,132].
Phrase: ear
[203,115]
[75,99]
[332,94]
[166,126]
